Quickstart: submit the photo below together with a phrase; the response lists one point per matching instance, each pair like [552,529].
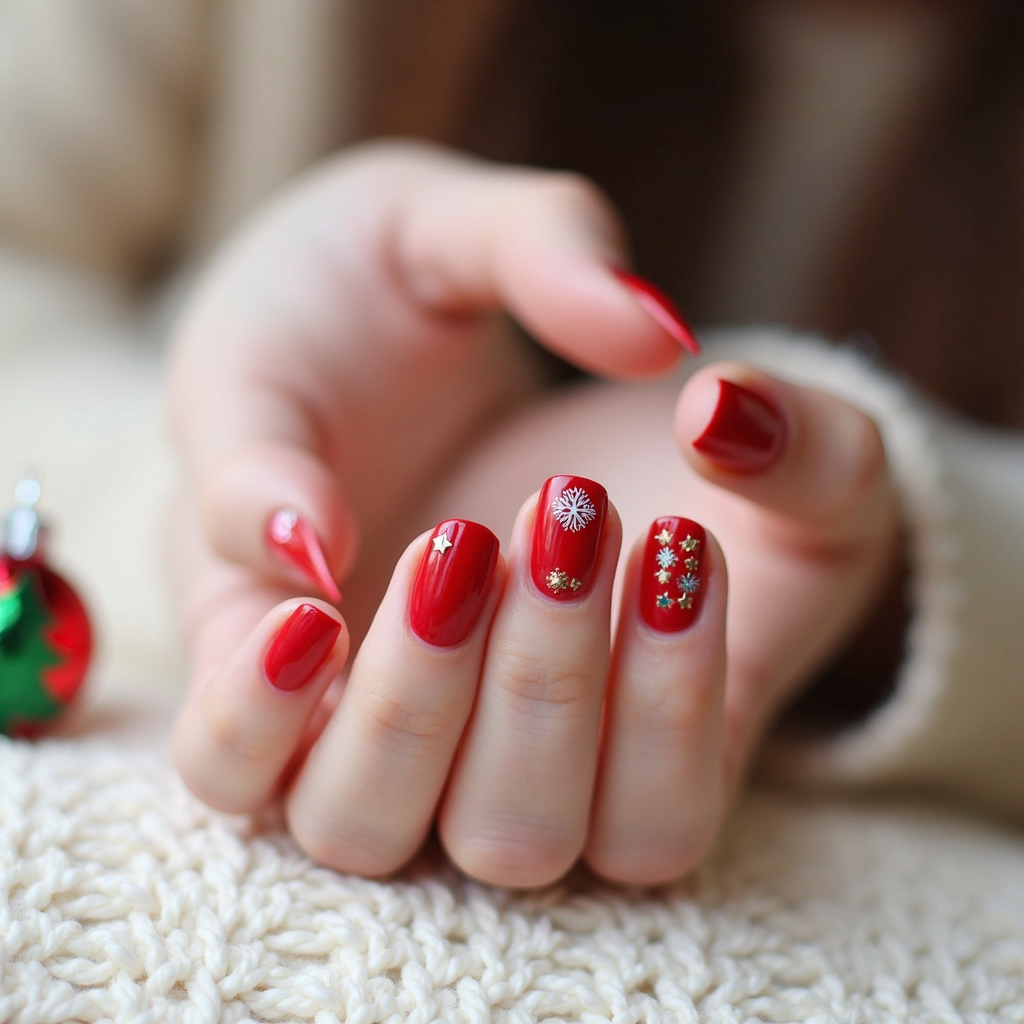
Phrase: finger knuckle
[391,724]
[516,851]
[668,711]
[547,688]
[355,846]
[649,858]
[561,192]
[240,739]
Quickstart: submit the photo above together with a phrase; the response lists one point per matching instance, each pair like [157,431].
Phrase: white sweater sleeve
[955,723]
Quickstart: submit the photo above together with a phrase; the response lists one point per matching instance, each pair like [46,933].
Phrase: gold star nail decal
[558,580]
[664,601]
[686,601]
[663,576]
[664,538]
[575,584]
[442,544]
[691,564]
[690,544]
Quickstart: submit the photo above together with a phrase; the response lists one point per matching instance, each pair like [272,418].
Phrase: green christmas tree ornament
[45,635]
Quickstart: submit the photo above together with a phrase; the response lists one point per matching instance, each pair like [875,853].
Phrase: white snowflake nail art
[666,558]
[573,509]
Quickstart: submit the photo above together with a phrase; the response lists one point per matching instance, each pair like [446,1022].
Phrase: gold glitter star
[691,564]
[690,544]
[664,537]
[558,580]
[442,544]
[686,601]
[575,584]
[663,575]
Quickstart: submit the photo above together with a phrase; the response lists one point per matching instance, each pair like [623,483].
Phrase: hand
[519,779]
[337,359]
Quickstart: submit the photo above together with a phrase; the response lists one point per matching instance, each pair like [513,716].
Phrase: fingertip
[662,310]
[279,510]
[245,719]
[802,452]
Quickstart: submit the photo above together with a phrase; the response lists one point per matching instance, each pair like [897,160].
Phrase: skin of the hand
[345,354]
[810,544]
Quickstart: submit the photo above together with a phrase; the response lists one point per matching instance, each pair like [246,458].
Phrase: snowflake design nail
[666,558]
[573,509]
[688,584]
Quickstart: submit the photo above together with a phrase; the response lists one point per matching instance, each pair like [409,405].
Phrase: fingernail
[672,580]
[301,647]
[566,536]
[292,540]
[746,431]
[660,308]
[452,582]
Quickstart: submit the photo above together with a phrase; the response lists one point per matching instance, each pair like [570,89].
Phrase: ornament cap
[23,529]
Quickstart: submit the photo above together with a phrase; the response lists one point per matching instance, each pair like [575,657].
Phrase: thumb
[805,454]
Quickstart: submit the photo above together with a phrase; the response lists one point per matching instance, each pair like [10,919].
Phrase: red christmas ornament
[45,636]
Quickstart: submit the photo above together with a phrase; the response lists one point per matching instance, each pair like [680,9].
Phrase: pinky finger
[238,733]
[661,792]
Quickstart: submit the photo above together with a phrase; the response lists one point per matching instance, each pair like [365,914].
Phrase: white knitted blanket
[124,899]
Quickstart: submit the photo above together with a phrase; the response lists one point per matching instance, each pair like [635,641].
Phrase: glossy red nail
[292,540]
[300,649]
[672,574]
[567,536]
[746,432]
[452,582]
[660,308]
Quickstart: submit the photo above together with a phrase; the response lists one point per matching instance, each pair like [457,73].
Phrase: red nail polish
[672,574]
[452,582]
[291,539]
[746,431]
[660,308]
[567,535]
[301,647]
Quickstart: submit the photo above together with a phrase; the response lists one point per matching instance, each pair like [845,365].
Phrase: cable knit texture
[125,899]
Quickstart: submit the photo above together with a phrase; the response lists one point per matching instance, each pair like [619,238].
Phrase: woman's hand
[344,362]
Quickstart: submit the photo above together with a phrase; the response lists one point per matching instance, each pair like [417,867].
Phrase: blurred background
[851,168]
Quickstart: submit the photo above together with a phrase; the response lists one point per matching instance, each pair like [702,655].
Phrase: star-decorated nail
[452,582]
[567,535]
[672,581]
